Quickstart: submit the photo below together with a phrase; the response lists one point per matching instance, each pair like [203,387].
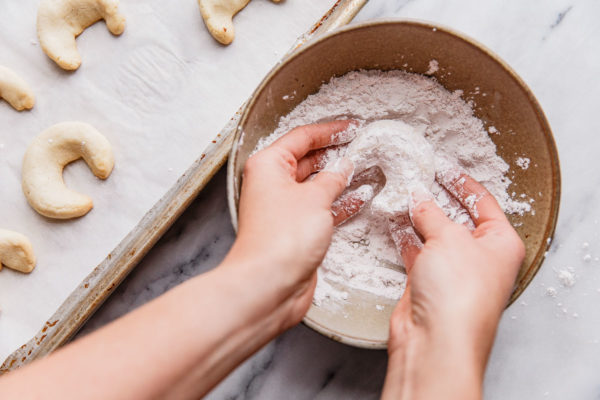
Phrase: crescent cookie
[16,251]
[59,22]
[45,159]
[218,17]
[15,90]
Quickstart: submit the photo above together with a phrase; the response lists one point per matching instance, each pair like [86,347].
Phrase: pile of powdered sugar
[362,255]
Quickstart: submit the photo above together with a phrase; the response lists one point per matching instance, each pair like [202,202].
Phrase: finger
[334,179]
[299,141]
[311,163]
[349,204]
[404,307]
[427,218]
[480,203]
[406,240]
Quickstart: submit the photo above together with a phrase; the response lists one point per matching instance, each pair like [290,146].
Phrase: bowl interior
[500,100]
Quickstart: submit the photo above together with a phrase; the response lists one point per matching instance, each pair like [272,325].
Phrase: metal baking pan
[103,280]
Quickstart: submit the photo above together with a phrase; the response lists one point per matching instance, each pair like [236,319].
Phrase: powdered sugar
[362,255]
[433,67]
[523,162]
[566,277]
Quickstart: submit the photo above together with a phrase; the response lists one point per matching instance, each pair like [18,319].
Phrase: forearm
[177,346]
[428,367]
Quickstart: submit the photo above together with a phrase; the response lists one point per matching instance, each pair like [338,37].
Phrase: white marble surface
[547,347]
[159,93]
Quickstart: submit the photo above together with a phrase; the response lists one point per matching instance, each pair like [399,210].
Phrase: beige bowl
[507,105]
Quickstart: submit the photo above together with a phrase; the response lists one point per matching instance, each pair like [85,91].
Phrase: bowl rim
[521,285]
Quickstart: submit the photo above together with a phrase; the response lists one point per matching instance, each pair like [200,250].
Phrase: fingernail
[418,194]
[347,168]
[448,173]
[347,135]
[343,166]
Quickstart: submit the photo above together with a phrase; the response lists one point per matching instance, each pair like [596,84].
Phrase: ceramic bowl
[500,98]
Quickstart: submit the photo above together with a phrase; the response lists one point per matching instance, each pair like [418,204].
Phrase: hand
[286,221]
[459,283]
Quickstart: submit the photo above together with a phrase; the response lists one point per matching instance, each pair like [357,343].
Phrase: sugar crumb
[433,67]
[566,278]
[523,162]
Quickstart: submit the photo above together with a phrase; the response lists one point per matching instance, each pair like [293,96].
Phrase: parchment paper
[159,93]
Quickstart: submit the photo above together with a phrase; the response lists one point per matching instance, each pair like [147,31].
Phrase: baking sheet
[159,93]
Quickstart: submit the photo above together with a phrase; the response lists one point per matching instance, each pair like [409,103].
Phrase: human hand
[285,221]
[459,283]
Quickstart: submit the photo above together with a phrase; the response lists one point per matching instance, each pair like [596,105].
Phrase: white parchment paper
[160,93]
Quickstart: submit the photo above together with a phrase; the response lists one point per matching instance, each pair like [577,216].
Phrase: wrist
[274,274]
[427,364]
[264,285]
[212,323]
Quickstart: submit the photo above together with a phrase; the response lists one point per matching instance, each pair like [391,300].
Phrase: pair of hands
[440,333]
[458,281]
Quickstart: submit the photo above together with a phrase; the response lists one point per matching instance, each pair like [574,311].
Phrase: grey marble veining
[547,347]
[196,243]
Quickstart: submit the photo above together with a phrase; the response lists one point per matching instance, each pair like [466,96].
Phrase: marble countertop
[548,347]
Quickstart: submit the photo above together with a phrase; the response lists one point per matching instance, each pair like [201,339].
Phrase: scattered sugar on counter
[566,277]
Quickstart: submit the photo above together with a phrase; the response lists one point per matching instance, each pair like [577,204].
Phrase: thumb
[427,217]
[406,240]
[335,178]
